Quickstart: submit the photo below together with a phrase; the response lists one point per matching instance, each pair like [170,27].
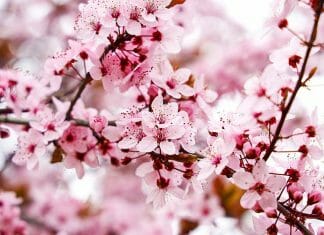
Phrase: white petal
[244,180]
[143,169]
[157,104]
[128,142]
[175,132]
[260,171]
[275,183]
[268,201]
[112,133]
[79,169]
[134,28]
[249,199]
[147,144]
[168,147]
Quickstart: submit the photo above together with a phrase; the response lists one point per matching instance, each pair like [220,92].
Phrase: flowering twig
[299,83]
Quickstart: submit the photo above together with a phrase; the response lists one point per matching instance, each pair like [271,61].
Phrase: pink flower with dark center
[162,127]
[77,159]
[31,146]
[216,158]
[52,125]
[260,185]
[173,82]
[77,138]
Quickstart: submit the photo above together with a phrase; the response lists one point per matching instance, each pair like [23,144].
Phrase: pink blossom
[158,189]
[174,83]
[215,158]
[162,127]
[260,185]
[204,96]
[168,37]
[77,138]
[154,10]
[52,125]
[131,135]
[31,147]
[98,123]
[290,56]
[76,159]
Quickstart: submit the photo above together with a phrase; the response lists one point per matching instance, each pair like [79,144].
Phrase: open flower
[31,147]
[162,127]
[216,158]
[260,185]
[76,159]
[174,83]
[52,125]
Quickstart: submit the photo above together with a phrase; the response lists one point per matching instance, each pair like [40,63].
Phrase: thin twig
[82,87]
[11,120]
[299,83]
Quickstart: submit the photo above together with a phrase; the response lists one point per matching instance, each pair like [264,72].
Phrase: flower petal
[147,144]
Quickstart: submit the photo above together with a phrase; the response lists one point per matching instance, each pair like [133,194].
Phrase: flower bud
[314,197]
[283,23]
[272,230]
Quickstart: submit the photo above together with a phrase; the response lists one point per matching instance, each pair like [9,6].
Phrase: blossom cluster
[161,131]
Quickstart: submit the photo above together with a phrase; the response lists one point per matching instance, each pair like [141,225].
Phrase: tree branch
[82,87]
[299,83]
[301,227]
[11,120]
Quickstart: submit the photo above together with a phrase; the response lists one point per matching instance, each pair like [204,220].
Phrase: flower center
[216,160]
[171,83]
[31,148]
[51,127]
[259,188]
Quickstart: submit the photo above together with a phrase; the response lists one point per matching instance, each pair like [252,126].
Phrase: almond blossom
[77,138]
[76,159]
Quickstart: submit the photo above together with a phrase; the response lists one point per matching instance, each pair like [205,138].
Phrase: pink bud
[295,192]
[314,197]
[4,133]
[272,230]
[271,213]
[310,131]
[297,196]
[153,91]
[253,153]
[283,23]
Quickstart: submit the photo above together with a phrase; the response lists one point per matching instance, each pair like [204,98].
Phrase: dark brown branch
[300,226]
[82,87]
[299,83]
